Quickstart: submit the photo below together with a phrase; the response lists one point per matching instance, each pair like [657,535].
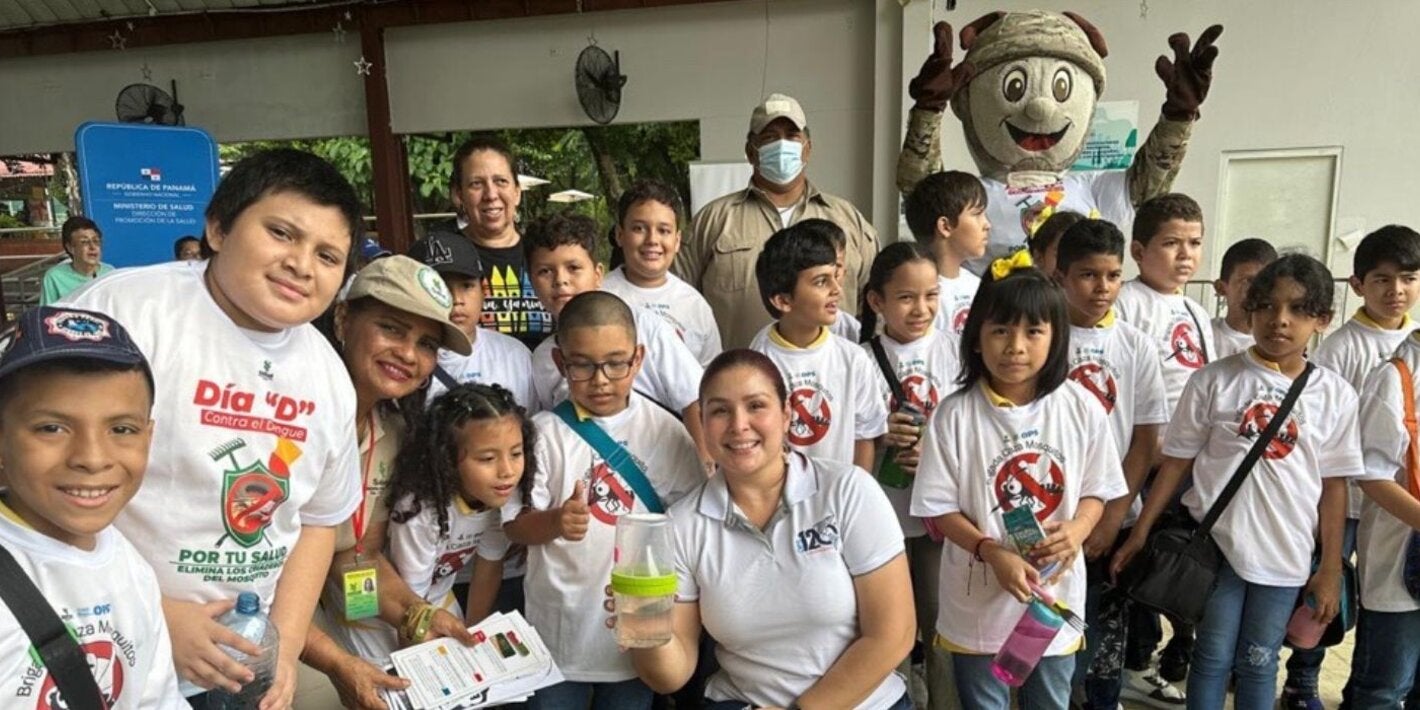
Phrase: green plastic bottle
[891,474]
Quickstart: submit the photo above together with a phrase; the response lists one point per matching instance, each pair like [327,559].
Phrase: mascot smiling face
[1037,76]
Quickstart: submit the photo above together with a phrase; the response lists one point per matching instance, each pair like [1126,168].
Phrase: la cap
[407,285]
[448,254]
[775,107]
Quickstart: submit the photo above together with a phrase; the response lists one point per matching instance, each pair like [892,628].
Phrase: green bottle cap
[643,585]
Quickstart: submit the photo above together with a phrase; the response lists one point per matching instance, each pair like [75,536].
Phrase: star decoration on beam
[339,31]
[362,67]
[147,73]
[117,40]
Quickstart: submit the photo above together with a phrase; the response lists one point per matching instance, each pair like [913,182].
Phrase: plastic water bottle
[1304,632]
[643,580]
[1027,643]
[247,620]
[891,473]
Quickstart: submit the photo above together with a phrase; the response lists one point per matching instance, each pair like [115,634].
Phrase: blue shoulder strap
[615,455]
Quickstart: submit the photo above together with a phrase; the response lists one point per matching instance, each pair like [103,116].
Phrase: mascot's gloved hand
[1188,76]
[938,80]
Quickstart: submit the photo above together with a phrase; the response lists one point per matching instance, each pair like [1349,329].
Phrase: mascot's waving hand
[1025,93]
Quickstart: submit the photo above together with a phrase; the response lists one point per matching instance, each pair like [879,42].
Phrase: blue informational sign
[145,186]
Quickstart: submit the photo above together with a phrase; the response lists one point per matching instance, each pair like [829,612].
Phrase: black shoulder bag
[1176,571]
[59,651]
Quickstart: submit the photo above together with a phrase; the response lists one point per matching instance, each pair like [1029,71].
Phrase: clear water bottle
[1027,643]
[643,580]
[247,620]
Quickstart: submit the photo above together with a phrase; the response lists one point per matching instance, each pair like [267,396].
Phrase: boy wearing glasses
[568,519]
[84,244]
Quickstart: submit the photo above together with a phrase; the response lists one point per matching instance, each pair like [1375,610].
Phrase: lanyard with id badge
[360,579]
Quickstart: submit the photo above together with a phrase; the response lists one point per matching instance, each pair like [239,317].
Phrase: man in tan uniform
[726,236]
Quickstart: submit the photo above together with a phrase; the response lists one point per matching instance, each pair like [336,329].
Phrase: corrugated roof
[21,14]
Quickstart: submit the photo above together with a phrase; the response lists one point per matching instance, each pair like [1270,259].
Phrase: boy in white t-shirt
[647,238]
[947,212]
[1386,275]
[561,260]
[1167,245]
[75,401]
[1232,332]
[837,399]
[1116,363]
[254,455]
[496,358]
[568,521]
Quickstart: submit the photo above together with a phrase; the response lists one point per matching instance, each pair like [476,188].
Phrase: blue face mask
[781,161]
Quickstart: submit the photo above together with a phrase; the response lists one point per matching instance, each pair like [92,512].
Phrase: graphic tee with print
[837,396]
[954,301]
[509,304]
[1221,413]
[1176,325]
[982,460]
[1381,538]
[253,437]
[110,600]
[496,359]
[926,369]
[669,374]
[565,580]
[680,305]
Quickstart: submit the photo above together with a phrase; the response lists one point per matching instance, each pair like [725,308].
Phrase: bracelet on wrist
[976,549]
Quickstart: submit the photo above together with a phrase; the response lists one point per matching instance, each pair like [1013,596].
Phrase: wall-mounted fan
[145,103]
[599,82]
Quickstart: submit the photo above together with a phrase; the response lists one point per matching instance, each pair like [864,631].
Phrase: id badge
[361,584]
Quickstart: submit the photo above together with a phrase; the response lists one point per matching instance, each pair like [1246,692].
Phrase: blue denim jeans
[1047,688]
[1242,630]
[1383,664]
[903,703]
[1304,667]
[572,695]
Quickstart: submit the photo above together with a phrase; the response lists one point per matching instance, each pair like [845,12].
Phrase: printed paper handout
[506,664]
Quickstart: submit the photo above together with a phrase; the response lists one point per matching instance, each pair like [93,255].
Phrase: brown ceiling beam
[219,26]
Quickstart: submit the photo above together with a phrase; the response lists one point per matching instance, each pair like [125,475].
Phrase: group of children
[1048,385]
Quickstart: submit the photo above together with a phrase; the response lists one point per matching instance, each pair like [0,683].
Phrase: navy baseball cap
[50,333]
[371,249]
[448,254]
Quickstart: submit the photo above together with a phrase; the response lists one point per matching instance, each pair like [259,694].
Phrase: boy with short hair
[1386,275]
[1167,245]
[560,261]
[254,462]
[496,358]
[1241,262]
[647,234]
[1118,364]
[947,212]
[569,519]
[837,395]
[84,243]
[76,398]
[846,324]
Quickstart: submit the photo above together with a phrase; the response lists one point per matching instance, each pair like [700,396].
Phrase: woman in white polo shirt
[794,565]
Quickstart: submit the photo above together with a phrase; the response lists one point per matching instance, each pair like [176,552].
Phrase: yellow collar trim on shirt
[781,341]
[995,398]
[1108,320]
[462,505]
[1262,360]
[1365,319]
[582,414]
[12,516]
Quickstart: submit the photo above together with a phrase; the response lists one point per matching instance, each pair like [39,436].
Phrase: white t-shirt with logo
[497,359]
[1382,538]
[1119,365]
[926,369]
[1175,323]
[836,394]
[679,304]
[566,580]
[110,599]
[1016,212]
[954,301]
[780,602]
[1355,350]
[982,460]
[669,373]
[253,437]
[1227,340]
[1267,532]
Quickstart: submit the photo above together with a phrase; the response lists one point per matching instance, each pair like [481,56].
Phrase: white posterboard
[711,179]
[1287,197]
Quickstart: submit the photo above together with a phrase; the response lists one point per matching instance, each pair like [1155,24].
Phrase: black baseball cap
[50,333]
[448,253]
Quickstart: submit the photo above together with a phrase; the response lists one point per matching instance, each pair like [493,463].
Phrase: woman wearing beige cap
[388,330]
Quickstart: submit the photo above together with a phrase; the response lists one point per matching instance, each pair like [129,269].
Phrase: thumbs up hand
[573,518]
